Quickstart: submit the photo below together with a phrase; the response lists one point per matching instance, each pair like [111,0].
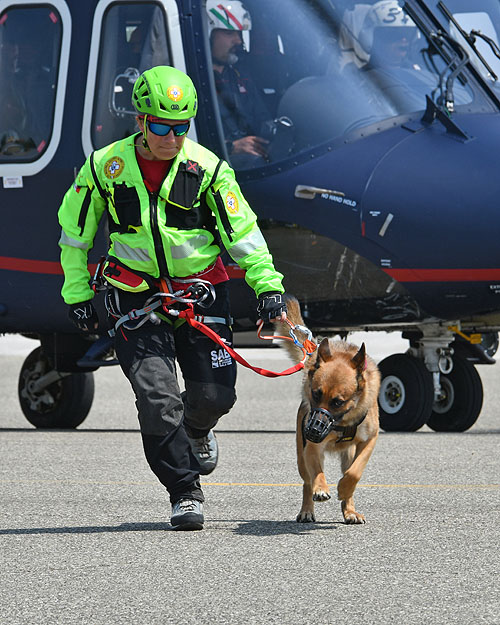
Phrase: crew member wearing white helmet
[387,34]
[242,110]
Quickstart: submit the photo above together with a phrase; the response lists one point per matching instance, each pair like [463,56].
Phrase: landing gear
[50,399]
[461,399]
[431,384]
[406,393]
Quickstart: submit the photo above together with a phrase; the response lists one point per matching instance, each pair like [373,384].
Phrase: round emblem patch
[174,93]
[114,167]
[232,203]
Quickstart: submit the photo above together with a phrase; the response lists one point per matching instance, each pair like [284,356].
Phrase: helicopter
[377,197]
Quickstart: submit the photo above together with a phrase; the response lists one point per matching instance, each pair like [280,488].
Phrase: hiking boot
[187,514]
[206,452]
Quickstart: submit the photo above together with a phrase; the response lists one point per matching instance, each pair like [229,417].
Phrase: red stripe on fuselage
[401,275]
[444,275]
[30,266]
[35,266]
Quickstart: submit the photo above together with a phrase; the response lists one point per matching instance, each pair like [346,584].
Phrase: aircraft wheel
[406,393]
[462,399]
[64,403]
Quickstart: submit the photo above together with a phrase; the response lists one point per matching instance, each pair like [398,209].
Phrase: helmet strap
[144,135]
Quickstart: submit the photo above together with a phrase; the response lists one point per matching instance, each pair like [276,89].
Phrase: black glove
[271,305]
[84,316]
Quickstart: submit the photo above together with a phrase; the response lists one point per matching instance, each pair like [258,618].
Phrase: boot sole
[188,522]
[186,527]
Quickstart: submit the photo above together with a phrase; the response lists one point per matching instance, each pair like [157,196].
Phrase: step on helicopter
[377,192]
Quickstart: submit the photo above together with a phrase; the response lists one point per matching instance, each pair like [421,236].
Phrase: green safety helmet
[165,92]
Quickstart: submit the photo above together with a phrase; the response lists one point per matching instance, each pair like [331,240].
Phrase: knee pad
[204,404]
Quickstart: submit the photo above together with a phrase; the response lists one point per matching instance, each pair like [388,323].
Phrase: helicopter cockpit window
[293,75]
[133,39]
[482,23]
[30,41]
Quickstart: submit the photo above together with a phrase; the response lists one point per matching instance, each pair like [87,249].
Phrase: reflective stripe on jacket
[174,232]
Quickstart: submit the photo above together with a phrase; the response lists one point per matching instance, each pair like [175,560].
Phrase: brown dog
[339,405]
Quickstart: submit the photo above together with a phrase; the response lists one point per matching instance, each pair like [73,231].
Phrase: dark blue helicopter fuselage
[410,235]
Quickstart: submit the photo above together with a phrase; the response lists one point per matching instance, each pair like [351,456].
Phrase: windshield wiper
[455,57]
[455,66]
[470,38]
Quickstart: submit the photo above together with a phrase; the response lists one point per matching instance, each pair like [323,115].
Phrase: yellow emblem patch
[232,203]
[114,167]
[174,93]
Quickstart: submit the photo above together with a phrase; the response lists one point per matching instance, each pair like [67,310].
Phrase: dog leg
[314,454]
[353,465]
[315,487]
[306,514]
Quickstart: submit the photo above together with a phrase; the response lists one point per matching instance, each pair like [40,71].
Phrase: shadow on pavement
[273,528]
[123,527]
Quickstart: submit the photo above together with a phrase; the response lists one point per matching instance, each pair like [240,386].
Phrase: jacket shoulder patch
[114,167]
[231,202]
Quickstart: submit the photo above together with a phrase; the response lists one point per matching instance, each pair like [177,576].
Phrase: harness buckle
[97,282]
[133,314]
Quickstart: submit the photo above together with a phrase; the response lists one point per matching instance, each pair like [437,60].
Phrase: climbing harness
[201,293]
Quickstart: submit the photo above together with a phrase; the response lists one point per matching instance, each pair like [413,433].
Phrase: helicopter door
[34,51]
[127,39]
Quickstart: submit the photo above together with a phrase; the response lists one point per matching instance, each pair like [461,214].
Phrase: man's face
[392,45]
[225,46]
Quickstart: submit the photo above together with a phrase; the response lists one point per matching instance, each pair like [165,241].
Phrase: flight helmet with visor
[229,15]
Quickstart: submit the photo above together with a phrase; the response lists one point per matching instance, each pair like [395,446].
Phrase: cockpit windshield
[293,75]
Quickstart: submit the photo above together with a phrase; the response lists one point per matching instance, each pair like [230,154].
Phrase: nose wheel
[406,393]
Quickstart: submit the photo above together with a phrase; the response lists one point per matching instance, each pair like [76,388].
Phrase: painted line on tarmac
[452,486]
[253,484]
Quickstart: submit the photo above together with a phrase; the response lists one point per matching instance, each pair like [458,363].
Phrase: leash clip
[307,340]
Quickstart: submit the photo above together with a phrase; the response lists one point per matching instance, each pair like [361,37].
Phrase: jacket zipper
[159,251]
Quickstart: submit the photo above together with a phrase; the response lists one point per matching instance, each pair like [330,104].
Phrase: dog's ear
[324,352]
[359,360]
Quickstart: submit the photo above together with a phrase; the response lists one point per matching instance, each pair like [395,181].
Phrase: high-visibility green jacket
[173,233]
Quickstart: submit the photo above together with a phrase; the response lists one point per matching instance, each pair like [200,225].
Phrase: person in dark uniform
[243,112]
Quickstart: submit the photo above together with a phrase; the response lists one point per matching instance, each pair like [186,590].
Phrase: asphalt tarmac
[85,537]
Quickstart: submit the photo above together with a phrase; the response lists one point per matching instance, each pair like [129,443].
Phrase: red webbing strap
[189,316]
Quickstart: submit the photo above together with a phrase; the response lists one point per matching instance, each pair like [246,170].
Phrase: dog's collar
[349,431]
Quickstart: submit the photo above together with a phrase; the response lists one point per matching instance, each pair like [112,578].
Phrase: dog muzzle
[319,424]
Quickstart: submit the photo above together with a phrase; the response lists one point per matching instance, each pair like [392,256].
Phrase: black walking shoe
[187,514]
[206,451]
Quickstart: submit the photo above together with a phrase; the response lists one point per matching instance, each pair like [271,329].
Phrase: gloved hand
[271,305]
[84,316]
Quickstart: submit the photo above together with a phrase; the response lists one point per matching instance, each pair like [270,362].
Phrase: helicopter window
[133,39]
[30,42]
[323,70]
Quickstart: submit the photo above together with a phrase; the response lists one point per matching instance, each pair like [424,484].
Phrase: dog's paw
[306,517]
[321,495]
[354,518]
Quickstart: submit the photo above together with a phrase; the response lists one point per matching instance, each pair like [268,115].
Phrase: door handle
[305,192]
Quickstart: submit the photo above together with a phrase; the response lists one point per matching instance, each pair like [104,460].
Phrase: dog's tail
[283,329]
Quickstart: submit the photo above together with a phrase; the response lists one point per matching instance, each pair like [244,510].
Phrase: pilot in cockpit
[387,35]
[243,113]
